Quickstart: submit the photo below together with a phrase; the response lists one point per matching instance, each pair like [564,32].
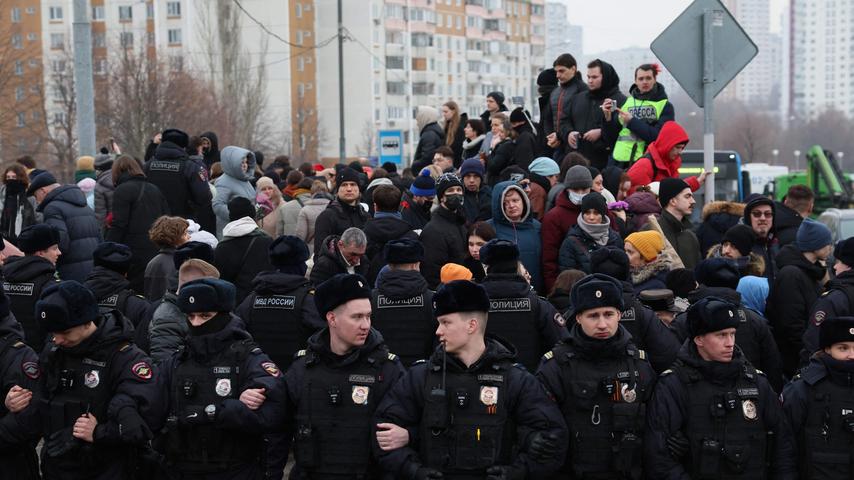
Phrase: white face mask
[575,198]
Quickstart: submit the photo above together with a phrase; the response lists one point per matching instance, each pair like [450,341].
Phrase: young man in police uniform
[477,413]
[108,282]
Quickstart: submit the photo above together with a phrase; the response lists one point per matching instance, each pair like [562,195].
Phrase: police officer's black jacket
[182,180]
[19,432]
[331,401]
[107,376]
[748,409]
[492,408]
[280,314]
[517,314]
[402,310]
[648,332]
[753,334]
[819,404]
[25,278]
[601,387]
[112,291]
[836,301]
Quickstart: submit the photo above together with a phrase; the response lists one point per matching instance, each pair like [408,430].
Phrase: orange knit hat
[649,243]
[454,271]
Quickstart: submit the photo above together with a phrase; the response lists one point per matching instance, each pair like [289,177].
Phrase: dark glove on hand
[504,472]
[425,473]
[678,445]
[193,415]
[60,442]
[132,428]
[543,446]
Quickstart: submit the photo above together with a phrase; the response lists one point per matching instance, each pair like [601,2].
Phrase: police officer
[662,301]
[19,378]
[280,312]
[648,333]
[336,383]
[27,276]
[838,298]
[714,415]
[108,282]
[477,414]
[819,404]
[602,383]
[100,397]
[183,180]
[402,305]
[223,392]
[516,313]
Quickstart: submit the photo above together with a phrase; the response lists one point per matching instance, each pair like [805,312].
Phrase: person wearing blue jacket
[513,220]
[238,165]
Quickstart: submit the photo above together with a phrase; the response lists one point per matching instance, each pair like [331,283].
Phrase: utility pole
[83,87]
[342,147]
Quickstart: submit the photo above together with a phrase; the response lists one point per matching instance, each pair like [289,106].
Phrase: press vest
[514,319]
[408,325]
[277,324]
[629,147]
[828,435]
[22,302]
[168,176]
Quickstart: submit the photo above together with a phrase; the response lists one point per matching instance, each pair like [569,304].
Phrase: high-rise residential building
[758,85]
[561,36]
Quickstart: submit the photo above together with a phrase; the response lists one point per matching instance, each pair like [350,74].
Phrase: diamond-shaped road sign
[680,48]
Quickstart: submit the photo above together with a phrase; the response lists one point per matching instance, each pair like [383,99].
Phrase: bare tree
[748,132]
[368,139]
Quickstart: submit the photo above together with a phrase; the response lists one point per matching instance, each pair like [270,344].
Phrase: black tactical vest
[277,325]
[828,433]
[729,439]
[407,325]
[514,319]
[168,176]
[334,418]
[605,409]
[745,338]
[630,319]
[22,302]
[209,448]
[468,429]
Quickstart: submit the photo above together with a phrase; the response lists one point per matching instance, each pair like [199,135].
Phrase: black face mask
[15,187]
[453,202]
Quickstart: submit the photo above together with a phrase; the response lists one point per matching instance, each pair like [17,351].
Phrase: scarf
[11,207]
[239,228]
[598,232]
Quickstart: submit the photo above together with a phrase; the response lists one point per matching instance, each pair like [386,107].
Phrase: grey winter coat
[104,189]
[233,183]
[287,215]
[168,328]
[79,232]
[160,275]
[308,218]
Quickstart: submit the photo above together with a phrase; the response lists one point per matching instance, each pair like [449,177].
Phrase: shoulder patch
[142,370]
[31,370]
[641,354]
[272,369]
[559,320]
[818,317]
[549,355]
[392,356]
[300,353]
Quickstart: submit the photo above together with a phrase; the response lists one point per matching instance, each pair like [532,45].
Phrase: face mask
[453,202]
[15,186]
[575,198]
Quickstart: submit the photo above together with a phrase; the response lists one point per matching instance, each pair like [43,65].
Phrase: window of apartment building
[19,67]
[126,39]
[31,10]
[60,118]
[57,41]
[298,8]
[440,20]
[149,11]
[125,13]
[17,41]
[19,93]
[99,39]
[173,9]
[31,37]
[57,66]
[98,13]
[395,11]
[55,14]
[174,36]
[422,88]
[395,113]
[99,67]
[300,90]
[22,119]
[394,62]
[16,15]
[36,115]
[396,88]
[422,15]
[394,37]
[420,39]
[377,115]
[34,63]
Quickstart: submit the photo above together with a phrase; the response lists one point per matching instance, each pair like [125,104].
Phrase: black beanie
[711,314]
[288,250]
[192,249]
[594,201]
[206,295]
[547,77]
[834,330]
[717,272]
[460,296]
[669,188]
[339,290]
[239,207]
[681,281]
[497,96]
[844,251]
[347,174]
[741,237]
[518,115]
[389,167]
[39,236]
[112,256]
[611,261]
[64,305]
[446,181]
[500,256]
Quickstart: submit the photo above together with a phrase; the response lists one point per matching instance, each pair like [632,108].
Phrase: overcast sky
[616,24]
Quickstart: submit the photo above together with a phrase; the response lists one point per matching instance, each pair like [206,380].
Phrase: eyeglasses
[758,214]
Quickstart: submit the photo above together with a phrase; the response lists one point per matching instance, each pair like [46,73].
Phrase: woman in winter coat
[268,193]
[310,211]
[642,204]
[502,148]
[455,122]
[431,136]
[474,133]
[238,167]
[104,188]
[513,220]
[242,252]
[648,265]
[137,204]
[592,232]
[18,210]
[479,233]
[168,233]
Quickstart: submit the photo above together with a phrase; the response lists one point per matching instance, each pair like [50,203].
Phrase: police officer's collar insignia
[31,370]
[748,408]
[488,395]
[360,394]
[272,369]
[142,370]
[223,387]
[92,378]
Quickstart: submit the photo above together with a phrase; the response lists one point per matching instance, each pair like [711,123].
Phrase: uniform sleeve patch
[560,320]
[142,370]
[818,317]
[549,355]
[392,357]
[31,370]
[272,369]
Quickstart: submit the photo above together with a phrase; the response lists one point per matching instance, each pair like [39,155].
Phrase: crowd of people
[526,300]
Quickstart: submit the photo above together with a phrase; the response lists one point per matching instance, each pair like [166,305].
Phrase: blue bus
[729,179]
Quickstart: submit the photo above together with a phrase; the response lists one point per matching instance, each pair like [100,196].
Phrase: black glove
[193,415]
[504,472]
[425,473]
[543,446]
[678,445]
[60,442]
[132,428]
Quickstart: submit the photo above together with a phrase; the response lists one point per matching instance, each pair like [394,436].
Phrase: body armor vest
[605,410]
[629,319]
[745,338]
[828,435]
[209,447]
[408,325]
[277,325]
[168,176]
[22,302]
[728,437]
[514,319]
[334,419]
[114,301]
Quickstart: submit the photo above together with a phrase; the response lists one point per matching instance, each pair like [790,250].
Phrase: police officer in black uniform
[838,298]
[714,415]
[99,397]
[819,404]
[20,373]
[27,276]
[280,312]
[602,383]
[108,282]
[222,391]
[402,305]
[516,313]
[335,385]
[476,412]
[183,180]
[648,333]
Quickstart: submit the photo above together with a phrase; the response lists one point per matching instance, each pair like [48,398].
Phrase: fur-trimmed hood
[661,264]
[729,208]
[752,264]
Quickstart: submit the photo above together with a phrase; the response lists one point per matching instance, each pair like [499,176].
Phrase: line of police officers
[349,408]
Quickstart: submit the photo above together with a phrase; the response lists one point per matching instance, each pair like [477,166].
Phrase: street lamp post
[775,153]
[797,159]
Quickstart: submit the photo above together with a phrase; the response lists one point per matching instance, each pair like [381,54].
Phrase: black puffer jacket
[786,223]
[586,114]
[337,217]
[501,157]
[379,232]
[447,242]
[105,283]
[79,233]
[240,258]
[526,146]
[432,137]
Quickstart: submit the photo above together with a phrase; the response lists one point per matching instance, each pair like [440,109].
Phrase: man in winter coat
[445,234]
[561,218]
[242,253]
[386,225]
[494,104]
[795,289]
[527,148]
[417,202]
[477,201]
[717,218]
[513,221]
[677,203]
[238,168]
[64,207]
[430,138]
[108,282]
[592,111]
[344,254]
[343,212]
[760,213]
[838,297]
[662,159]
[788,215]
[556,125]
[104,187]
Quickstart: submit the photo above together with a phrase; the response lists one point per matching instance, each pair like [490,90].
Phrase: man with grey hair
[340,254]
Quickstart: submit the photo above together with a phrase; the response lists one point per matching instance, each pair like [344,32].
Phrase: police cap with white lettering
[40,236]
[460,296]
[403,250]
[64,305]
[835,330]
[206,295]
[339,290]
[595,291]
[711,314]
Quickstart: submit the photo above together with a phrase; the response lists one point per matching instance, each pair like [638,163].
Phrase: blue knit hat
[424,185]
[472,165]
[812,236]
[544,167]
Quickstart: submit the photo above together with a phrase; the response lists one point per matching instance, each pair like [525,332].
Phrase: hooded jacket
[655,165]
[242,254]
[79,232]
[432,137]
[307,219]
[651,276]
[769,247]
[527,148]
[525,233]
[786,223]
[556,224]
[641,206]
[233,182]
[586,114]
[718,217]
[40,273]
[445,240]
[104,195]
[212,155]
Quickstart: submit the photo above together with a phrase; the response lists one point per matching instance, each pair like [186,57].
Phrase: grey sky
[616,24]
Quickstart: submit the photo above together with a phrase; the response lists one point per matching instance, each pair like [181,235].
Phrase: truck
[832,187]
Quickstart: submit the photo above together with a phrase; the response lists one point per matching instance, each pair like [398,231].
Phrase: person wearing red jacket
[662,159]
